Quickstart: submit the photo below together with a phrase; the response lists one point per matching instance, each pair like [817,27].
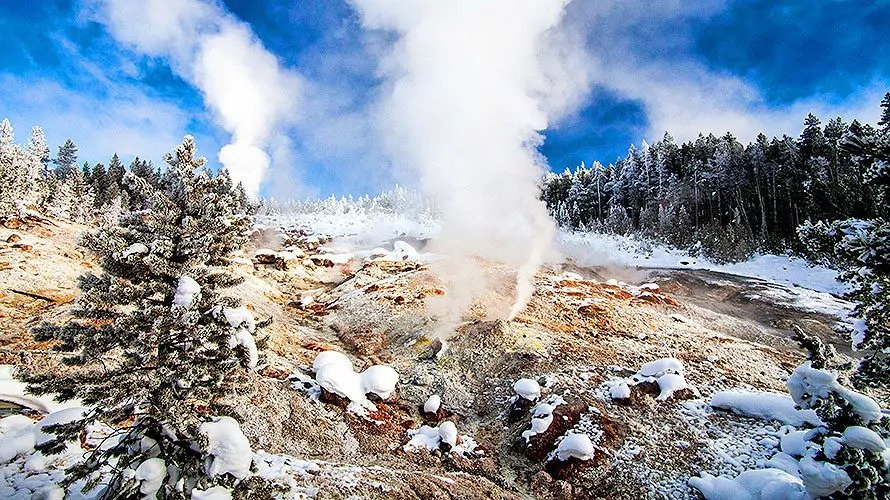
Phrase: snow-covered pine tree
[848,458]
[7,136]
[66,160]
[37,145]
[81,209]
[155,342]
[15,164]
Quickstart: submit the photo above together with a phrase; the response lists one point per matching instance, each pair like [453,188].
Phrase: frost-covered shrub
[155,343]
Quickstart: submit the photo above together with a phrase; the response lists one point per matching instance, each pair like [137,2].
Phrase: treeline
[729,198]
[59,186]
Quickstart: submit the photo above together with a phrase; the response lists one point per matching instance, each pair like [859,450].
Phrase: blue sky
[744,66]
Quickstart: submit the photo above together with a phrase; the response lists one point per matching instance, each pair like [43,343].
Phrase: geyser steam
[246,87]
[471,83]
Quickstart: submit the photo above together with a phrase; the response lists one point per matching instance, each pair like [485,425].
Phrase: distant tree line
[31,179]
[728,198]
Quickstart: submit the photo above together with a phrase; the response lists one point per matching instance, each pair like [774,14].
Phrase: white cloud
[679,93]
[251,94]
[127,121]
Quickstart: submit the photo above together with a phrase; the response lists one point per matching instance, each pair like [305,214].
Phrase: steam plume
[471,86]
[245,86]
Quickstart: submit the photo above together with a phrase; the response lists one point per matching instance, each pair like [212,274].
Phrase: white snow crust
[228,449]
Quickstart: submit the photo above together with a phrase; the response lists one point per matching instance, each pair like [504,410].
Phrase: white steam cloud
[250,93]
[471,84]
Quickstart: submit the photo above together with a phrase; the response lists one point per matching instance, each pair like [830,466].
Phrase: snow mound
[765,406]
[863,438]
[15,391]
[822,478]
[432,404]
[669,383]
[619,390]
[432,438]
[760,484]
[17,437]
[527,388]
[808,384]
[380,380]
[666,372]
[150,474]
[574,445]
[228,449]
[542,417]
[661,367]
[334,372]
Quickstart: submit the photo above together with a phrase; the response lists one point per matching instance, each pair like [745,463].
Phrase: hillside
[588,334]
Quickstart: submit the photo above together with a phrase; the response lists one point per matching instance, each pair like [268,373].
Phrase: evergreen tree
[37,145]
[156,343]
[7,137]
[66,158]
[78,197]
[14,181]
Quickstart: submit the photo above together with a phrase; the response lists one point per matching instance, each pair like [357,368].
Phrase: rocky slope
[580,336]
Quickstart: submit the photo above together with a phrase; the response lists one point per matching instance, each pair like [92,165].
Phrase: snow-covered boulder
[574,445]
[335,374]
[432,404]
[619,391]
[527,388]
[380,380]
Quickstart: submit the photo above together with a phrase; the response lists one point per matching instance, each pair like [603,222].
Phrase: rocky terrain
[587,334]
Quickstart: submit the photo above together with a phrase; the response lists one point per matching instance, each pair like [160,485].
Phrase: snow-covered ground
[596,249]
[783,280]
